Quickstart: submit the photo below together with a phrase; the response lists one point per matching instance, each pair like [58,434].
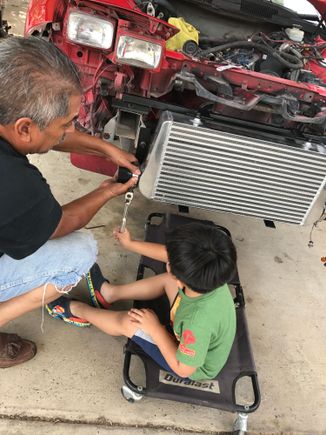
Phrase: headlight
[88,30]
[138,52]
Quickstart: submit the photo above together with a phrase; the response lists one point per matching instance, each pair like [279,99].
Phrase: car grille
[200,167]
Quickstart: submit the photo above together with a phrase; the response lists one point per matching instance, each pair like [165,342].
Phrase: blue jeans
[62,262]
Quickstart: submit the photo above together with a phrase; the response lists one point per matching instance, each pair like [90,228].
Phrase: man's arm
[148,249]
[78,213]
[83,143]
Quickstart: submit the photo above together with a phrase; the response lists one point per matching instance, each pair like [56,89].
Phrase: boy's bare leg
[111,322]
[144,289]
[22,304]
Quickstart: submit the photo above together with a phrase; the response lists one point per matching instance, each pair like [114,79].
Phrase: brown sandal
[15,350]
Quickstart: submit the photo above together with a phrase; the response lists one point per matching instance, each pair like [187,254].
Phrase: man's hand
[123,238]
[116,189]
[146,319]
[83,143]
[124,159]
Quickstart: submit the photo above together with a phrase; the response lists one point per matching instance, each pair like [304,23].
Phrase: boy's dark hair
[202,256]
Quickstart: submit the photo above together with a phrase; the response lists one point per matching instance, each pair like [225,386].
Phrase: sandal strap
[95,279]
[102,301]
[63,304]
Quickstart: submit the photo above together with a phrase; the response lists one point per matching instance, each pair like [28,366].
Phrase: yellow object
[187,33]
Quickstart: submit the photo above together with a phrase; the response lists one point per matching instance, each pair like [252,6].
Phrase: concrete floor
[73,385]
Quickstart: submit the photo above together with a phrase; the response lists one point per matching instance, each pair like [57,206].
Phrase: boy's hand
[123,238]
[146,318]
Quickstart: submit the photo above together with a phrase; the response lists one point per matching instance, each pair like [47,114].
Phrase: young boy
[200,260]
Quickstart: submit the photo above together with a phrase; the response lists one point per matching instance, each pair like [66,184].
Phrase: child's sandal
[60,309]
[95,279]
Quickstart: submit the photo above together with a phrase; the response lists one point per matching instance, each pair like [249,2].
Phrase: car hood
[320,5]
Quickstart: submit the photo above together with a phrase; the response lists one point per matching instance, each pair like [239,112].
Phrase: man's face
[44,140]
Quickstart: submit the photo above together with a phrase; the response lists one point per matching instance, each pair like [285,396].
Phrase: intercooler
[194,166]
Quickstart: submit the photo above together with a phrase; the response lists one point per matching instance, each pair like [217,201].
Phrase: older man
[41,253]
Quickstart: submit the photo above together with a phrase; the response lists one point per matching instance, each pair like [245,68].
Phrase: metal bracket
[130,395]
[150,9]
[240,423]
[318,119]
[201,91]
[282,101]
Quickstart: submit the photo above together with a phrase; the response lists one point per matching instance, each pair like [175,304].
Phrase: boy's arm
[150,324]
[152,250]
[168,348]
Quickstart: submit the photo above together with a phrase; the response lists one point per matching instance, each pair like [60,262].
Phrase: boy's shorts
[146,342]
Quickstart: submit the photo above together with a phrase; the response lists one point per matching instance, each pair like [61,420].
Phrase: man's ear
[24,129]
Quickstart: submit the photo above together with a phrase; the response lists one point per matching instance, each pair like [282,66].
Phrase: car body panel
[285,102]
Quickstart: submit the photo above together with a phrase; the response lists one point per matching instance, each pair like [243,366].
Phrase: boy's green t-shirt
[205,326]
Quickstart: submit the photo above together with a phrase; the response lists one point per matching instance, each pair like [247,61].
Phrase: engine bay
[256,35]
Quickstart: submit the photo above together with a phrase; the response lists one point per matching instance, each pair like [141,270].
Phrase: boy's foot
[15,350]
[95,280]
[60,309]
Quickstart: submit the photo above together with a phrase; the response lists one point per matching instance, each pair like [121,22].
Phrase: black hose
[286,59]
[206,40]
[167,5]
[321,46]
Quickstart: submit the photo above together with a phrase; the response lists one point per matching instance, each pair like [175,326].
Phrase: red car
[223,102]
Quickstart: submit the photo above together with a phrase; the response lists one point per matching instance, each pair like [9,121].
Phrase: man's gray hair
[36,81]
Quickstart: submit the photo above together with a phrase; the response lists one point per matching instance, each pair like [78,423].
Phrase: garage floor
[73,385]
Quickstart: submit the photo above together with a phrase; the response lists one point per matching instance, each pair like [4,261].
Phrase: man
[41,253]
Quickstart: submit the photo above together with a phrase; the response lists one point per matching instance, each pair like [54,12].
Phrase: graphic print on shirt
[187,338]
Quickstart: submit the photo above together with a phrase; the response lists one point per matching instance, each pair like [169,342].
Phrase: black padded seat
[220,393]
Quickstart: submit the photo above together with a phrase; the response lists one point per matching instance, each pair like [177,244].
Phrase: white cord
[64,291]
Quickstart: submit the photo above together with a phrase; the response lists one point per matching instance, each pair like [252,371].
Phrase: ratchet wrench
[128,198]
